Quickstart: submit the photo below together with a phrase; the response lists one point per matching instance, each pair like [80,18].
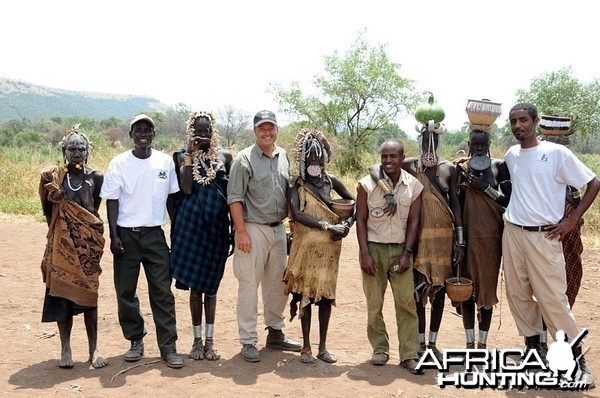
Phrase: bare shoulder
[447,168]
[410,164]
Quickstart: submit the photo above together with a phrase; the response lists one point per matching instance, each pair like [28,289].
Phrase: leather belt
[541,228]
[273,224]
[141,229]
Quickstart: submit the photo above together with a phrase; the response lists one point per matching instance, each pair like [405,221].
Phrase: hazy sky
[211,54]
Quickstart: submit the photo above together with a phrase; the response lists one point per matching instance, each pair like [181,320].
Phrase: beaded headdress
[206,160]
[308,140]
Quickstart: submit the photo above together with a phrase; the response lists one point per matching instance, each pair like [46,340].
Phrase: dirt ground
[31,349]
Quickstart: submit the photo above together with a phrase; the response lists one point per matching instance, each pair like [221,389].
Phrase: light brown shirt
[382,228]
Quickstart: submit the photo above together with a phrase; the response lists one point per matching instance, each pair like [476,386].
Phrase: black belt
[541,228]
[141,229]
[273,224]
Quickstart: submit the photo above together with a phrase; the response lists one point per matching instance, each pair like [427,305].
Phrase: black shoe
[136,351]
[586,376]
[277,340]
[532,343]
[173,360]
[250,353]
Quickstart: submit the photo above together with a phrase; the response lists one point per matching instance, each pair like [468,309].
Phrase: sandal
[306,356]
[325,356]
[197,350]
[210,353]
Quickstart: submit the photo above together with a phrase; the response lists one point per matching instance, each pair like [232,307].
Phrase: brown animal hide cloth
[71,263]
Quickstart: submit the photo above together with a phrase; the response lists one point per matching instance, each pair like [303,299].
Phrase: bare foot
[66,361]
[197,350]
[98,360]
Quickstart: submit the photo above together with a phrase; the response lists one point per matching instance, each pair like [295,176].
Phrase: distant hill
[19,99]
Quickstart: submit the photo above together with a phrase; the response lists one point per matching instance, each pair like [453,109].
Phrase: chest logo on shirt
[544,158]
[162,174]
[377,212]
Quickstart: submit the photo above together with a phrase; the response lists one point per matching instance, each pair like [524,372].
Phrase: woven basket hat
[555,125]
[483,112]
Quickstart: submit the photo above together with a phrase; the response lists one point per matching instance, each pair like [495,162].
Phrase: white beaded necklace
[71,186]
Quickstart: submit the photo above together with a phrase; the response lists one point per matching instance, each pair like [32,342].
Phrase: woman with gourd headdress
[311,273]
[441,240]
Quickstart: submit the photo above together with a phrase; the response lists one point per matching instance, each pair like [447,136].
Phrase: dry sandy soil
[30,349]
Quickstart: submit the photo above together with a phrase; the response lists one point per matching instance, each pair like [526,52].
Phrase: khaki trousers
[535,277]
[263,266]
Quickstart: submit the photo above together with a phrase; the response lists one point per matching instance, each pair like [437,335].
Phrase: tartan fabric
[572,249]
[200,237]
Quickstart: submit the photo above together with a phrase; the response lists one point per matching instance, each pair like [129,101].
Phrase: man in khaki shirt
[386,236]
[257,198]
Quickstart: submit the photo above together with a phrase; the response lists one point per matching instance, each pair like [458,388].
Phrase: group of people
[417,220]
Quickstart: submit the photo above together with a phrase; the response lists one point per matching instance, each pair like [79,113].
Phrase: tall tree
[231,123]
[360,93]
[559,93]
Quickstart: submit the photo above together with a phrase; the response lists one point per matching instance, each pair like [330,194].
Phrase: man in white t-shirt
[138,189]
[534,265]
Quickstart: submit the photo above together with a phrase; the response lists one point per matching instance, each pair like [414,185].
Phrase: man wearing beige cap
[138,189]
[256,193]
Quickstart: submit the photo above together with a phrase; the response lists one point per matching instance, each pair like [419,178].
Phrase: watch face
[480,163]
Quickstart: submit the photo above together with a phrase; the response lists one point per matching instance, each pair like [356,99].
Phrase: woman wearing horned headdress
[312,270]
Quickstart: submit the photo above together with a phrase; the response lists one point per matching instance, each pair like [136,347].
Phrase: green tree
[360,93]
[559,93]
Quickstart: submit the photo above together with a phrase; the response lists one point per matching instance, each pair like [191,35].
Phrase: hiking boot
[173,360]
[586,375]
[411,366]
[279,341]
[532,343]
[136,351]
[250,353]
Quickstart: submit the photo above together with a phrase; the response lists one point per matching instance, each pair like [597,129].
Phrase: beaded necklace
[77,188]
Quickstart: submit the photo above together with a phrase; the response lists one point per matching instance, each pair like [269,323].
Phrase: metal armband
[491,192]
[460,237]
